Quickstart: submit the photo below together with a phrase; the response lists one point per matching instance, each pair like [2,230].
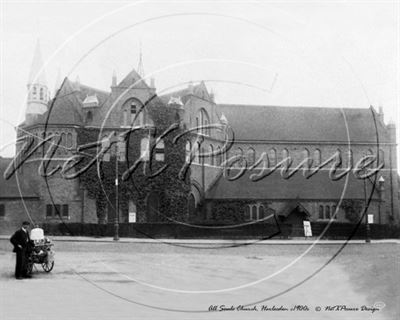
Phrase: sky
[289,53]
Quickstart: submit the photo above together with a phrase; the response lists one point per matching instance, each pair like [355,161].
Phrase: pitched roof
[66,107]
[274,186]
[184,94]
[15,187]
[133,78]
[276,123]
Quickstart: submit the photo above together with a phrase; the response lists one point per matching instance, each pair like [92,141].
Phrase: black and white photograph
[199,159]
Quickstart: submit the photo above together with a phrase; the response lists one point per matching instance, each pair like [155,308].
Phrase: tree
[352,209]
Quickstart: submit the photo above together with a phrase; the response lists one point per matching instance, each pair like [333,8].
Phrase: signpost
[307,229]
[132,217]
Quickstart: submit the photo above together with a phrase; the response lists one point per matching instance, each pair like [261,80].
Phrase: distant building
[260,138]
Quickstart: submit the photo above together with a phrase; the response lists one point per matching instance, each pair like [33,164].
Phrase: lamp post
[116,218]
[381,188]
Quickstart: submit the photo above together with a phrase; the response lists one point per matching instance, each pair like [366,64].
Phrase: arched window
[218,156]
[63,142]
[197,153]
[381,157]
[285,156]
[247,213]
[254,212]
[125,118]
[211,155]
[338,160]
[261,212]
[204,120]
[334,213]
[34,92]
[327,212]
[321,212]
[41,94]
[306,155]
[69,140]
[191,206]
[133,113]
[188,151]
[272,157]
[89,116]
[239,154]
[57,142]
[349,159]
[160,154]
[317,157]
[251,156]
[145,149]
[63,139]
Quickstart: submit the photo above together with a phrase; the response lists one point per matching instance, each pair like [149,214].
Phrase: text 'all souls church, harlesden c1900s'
[182,157]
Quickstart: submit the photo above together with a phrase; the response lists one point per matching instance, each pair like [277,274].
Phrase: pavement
[98,278]
[292,241]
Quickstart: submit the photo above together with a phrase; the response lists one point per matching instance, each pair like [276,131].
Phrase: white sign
[307,229]
[132,217]
[370,218]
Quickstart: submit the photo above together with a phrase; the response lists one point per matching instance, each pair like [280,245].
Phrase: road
[163,281]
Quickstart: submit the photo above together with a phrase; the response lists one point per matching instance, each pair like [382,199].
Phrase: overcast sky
[296,53]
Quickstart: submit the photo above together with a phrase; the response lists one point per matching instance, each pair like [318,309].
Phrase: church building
[85,154]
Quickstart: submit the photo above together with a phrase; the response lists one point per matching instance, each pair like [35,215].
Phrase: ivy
[173,192]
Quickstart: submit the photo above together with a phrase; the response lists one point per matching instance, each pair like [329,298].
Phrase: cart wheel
[29,267]
[48,266]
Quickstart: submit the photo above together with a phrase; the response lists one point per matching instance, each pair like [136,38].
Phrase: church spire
[37,74]
[140,68]
[38,94]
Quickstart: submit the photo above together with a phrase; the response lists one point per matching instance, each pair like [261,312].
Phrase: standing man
[20,240]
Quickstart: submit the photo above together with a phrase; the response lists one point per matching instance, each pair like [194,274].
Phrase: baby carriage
[40,251]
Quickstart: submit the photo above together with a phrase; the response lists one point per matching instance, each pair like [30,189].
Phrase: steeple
[38,95]
[140,68]
[37,74]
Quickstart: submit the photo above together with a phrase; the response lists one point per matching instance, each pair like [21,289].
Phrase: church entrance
[153,207]
[191,207]
[296,218]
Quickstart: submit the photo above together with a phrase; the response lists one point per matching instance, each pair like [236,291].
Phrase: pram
[40,251]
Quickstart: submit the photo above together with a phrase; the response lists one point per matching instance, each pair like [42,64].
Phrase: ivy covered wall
[157,177]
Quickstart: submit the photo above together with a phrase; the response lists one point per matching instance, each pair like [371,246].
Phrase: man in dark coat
[20,240]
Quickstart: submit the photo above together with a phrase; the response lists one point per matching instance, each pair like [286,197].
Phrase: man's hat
[26,223]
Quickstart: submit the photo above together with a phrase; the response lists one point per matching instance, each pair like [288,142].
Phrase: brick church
[180,157]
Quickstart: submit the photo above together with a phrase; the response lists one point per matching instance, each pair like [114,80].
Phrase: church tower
[38,95]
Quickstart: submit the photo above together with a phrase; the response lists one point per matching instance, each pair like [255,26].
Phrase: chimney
[380,114]
[191,87]
[78,83]
[212,96]
[114,79]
